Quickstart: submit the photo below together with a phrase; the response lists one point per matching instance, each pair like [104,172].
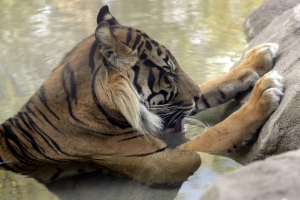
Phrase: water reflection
[204,35]
[211,169]
[16,186]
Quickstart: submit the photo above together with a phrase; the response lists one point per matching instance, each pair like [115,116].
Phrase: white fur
[126,99]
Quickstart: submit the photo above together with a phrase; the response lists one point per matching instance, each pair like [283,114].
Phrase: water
[204,35]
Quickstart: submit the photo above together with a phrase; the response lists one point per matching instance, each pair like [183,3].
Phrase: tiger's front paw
[266,94]
[261,58]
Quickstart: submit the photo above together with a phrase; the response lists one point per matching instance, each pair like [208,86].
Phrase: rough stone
[281,132]
[276,177]
[264,14]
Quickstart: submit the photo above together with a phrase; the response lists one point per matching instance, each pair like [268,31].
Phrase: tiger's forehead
[144,44]
[129,34]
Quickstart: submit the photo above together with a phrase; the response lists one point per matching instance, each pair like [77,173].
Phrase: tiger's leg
[243,77]
[240,126]
[164,168]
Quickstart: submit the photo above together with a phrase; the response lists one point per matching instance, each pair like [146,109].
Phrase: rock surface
[277,177]
[264,14]
[281,133]
[270,179]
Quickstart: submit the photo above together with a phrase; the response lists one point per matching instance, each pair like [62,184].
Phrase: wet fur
[105,102]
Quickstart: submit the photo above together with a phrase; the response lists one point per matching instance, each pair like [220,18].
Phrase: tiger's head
[151,90]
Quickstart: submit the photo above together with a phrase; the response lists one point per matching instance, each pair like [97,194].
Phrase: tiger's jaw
[173,116]
[178,127]
[176,123]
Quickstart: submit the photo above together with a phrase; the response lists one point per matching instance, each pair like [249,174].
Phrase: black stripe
[64,84]
[140,46]
[166,59]
[154,42]
[31,140]
[151,80]
[159,52]
[10,136]
[147,154]
[72,84]
[43,99]
[128,36]
[136,70]
[143,56]
[148,45]
[167,80]
[131,138]
[145,35]
[44,136]
[91,55]
[22,169]
[29,109]
[149,63]
[69,94]
[59,171]
[39,149]
[113,121]
[171,96]
[105,63]
[28,136]
[205,101]
[102,133]
[137,40]
[47,120]
[161,92]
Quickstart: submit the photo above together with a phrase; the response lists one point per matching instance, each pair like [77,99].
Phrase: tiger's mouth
[178,127]
[174,117]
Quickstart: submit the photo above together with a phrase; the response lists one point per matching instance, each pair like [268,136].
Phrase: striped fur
[104,104]
[110,95]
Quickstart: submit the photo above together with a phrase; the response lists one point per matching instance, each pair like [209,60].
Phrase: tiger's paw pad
[270,91]
[263,57]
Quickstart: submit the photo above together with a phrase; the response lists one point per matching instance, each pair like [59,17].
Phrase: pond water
[205,36]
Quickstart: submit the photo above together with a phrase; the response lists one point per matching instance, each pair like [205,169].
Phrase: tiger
[107,101]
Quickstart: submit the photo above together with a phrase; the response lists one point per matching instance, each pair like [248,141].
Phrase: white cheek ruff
[150,123]
[127,100]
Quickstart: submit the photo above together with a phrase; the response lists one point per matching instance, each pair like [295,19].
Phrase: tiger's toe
[262,57]
[269,90]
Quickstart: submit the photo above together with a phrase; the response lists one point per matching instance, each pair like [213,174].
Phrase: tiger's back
[94,110]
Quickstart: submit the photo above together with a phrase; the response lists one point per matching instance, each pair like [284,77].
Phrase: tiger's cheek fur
[125,99]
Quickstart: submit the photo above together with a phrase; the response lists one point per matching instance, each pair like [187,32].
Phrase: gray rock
[274,178]
[264,14]
[281,132]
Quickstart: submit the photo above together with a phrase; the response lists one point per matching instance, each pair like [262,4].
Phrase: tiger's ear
[105,16]
[117,54]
